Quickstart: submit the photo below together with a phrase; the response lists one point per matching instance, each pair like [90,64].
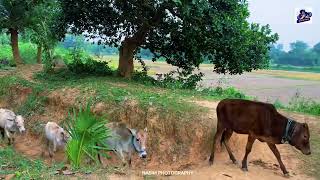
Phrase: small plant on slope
[88,135]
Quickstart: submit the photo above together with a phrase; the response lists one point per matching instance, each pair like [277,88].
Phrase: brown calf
[260,121]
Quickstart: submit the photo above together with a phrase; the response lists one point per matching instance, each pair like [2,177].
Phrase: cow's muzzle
[143,154]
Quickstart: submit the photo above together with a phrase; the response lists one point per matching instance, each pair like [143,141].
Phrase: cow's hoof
[287,175]
[244,169]
[210,160]
[235,162]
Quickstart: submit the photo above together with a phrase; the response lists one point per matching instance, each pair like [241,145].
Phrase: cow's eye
[138,139]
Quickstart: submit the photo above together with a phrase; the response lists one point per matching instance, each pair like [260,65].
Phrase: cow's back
[244,116]
[5,114]
[120,137]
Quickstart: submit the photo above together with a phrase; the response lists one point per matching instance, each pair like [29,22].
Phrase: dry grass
[292,75]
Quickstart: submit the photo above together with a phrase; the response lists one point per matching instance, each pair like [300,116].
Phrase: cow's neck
[288,131]
[278,127]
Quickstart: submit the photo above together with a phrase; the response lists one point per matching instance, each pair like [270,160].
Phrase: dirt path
[25,71]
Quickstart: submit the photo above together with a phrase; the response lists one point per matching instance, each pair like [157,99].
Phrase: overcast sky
[281,15]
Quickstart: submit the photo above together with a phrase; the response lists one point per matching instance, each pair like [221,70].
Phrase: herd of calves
[260,121]
[123,140]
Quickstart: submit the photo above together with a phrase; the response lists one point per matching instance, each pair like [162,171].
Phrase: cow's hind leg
[250,142]
[277,154]
[216,140]
[225,140]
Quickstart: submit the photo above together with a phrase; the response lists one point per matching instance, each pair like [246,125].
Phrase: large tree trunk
[126,66]
[39,54]
[15,46]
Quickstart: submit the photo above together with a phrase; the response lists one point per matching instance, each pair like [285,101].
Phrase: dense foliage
[300,54]
[81,63]
[184,33]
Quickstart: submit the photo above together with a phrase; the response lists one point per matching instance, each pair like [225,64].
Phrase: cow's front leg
[121,156]
[50,150]
[8,134]
[54,146]
[129,157]
[275,151]
[250,142]
[2,132]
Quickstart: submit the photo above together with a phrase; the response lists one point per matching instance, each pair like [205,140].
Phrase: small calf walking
[55,136]
[10,123]
[260,121]
[126,141]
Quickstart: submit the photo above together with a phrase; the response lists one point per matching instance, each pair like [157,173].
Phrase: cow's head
[19,123]
[300,138]
[62,136]
[140,141]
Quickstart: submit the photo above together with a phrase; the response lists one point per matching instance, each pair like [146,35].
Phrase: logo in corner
[304,16]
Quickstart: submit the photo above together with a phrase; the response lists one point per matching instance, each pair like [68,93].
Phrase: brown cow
[260,121]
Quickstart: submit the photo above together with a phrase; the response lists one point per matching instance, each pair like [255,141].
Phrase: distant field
[266,85]
[291,74]
[315,69]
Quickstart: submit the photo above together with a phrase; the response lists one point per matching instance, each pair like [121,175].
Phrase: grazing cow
[55,136]
[260,121]
[125,140]
[10,123]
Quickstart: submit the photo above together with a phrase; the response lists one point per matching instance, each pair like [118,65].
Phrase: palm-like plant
[88,135]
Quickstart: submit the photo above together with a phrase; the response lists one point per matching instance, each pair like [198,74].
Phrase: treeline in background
[300,57]
[28,49]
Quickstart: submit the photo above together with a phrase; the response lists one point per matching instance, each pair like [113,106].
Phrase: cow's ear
[62,134]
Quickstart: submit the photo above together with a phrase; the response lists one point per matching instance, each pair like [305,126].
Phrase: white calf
[56,136]
[10,123]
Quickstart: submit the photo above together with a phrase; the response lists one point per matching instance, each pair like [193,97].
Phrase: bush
[79,62]
[230,92]
[169,81]
[301,104]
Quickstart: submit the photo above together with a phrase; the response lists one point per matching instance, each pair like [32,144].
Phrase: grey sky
[280,14]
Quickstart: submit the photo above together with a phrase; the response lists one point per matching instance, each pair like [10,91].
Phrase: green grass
[28,52]
[34,103]
[22,167]
[301,105]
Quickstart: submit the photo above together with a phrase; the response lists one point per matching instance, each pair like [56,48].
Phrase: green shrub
[79,62]
[229,92]
[169,81]
[301,104]
[88,136]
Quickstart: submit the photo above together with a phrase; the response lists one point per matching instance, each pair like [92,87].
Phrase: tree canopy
[184,33]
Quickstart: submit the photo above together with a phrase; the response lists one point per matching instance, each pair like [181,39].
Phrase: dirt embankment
[174,143]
